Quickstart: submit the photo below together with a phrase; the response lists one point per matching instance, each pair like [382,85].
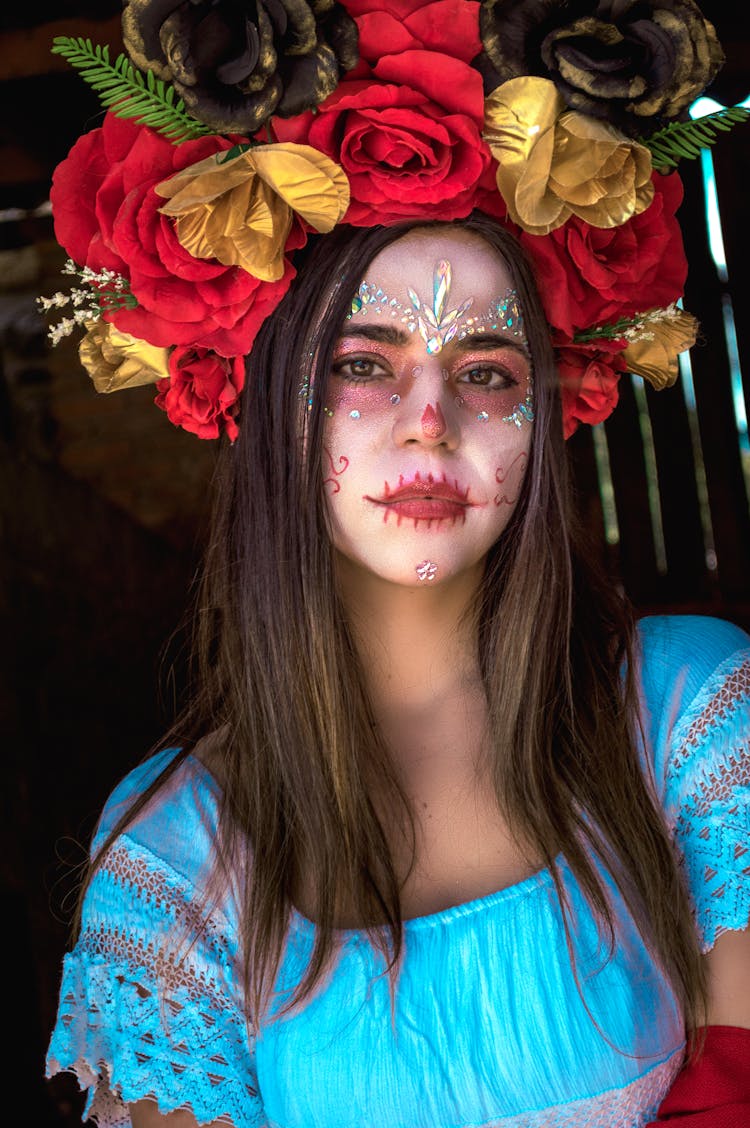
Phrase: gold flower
[654,349]
[554,163]
[240,210]
[116,360]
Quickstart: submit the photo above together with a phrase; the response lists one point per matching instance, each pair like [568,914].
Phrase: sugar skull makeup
[430,405]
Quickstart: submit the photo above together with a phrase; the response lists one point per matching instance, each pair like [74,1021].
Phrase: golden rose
[654,351]
[554,163]
[240,210]
[116,360]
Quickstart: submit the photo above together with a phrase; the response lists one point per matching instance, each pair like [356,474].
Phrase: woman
[443,835]
[410,631]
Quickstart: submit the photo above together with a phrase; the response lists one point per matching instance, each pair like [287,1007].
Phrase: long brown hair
[279,682]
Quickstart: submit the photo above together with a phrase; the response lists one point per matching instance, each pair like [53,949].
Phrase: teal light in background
[701,108]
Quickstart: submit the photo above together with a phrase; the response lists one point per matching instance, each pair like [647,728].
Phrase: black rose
[634,63]
[237,62]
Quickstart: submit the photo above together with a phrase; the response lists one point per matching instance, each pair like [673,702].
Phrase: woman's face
[429,410]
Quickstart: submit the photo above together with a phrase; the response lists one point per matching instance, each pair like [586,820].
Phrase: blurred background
[103,505]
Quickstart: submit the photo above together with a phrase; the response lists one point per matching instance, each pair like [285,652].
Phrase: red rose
[202,391]
[106,215]
[407,129]
[387,27]
[589,375]
[593,276]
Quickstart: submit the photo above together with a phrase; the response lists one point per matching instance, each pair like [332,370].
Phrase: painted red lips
[425,499]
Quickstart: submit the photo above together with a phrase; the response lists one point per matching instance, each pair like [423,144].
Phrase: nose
[427,416]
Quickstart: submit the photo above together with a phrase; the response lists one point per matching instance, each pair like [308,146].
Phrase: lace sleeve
[708,798]
[143,1012]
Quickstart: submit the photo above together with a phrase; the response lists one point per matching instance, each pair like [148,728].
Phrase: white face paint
[429,410]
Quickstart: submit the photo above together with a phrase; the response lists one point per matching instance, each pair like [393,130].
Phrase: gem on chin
[426,571]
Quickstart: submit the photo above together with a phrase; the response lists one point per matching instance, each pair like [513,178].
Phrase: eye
[359,369]
[492,376]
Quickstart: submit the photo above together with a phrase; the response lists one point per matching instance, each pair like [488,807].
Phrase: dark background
[103,506]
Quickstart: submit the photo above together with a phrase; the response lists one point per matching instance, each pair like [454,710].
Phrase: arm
[728,965]
[707,803]
[145,1114]
[147,1016]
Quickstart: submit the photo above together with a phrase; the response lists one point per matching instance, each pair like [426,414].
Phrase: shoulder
[692,646]
[695,676]
[684,662]
[177,826]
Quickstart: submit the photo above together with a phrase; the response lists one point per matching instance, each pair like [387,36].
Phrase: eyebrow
[385,334]
[488,341]
[390,335]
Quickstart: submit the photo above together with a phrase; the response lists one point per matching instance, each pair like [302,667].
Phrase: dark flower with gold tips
[637,64]
[237,62]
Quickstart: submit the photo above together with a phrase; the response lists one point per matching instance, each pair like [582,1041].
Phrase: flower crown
[235,132]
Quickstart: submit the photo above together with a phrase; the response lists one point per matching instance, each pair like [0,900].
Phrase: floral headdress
[234,131]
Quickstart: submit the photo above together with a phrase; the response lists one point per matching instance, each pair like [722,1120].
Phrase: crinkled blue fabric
[489,1027]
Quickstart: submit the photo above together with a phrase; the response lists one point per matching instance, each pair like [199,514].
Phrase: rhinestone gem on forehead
[502,314]
[436,325]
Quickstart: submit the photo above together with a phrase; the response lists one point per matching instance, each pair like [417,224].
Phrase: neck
[418,650]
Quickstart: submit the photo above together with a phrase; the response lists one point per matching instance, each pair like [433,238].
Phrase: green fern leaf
[124,90]
[688,138]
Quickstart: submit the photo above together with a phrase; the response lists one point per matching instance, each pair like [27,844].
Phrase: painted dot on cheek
[327,411]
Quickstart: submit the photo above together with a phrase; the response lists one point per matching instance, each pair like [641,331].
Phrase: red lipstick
[425,499]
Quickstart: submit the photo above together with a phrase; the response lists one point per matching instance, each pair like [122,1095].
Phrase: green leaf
[688,138]
[124,90]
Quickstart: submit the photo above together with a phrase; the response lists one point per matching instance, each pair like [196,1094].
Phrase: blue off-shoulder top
[489,1024]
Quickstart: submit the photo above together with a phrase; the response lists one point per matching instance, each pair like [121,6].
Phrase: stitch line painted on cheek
[333,481]
[433,422]
[503,476]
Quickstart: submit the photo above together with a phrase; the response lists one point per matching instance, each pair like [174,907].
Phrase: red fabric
[714,1091]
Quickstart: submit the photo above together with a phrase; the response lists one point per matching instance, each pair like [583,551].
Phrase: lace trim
[127,868]
[141,1017]
[713,834]
[139,879]
[630,1107]
[734,689]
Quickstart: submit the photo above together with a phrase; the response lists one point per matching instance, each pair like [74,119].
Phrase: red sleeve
[714,1090]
